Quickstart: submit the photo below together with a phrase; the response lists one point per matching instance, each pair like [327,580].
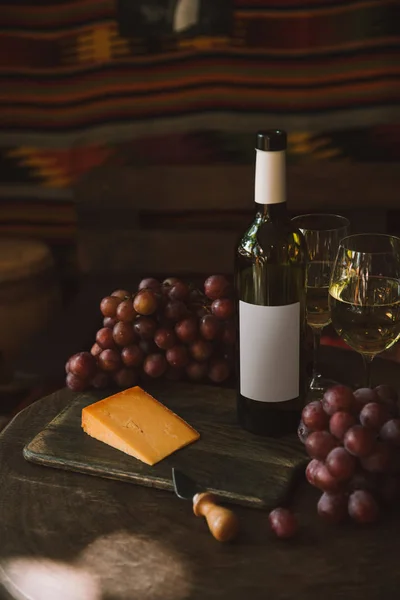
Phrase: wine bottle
[270,286]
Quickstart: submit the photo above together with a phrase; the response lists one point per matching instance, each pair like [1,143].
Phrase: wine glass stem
[317,342]
[367,359]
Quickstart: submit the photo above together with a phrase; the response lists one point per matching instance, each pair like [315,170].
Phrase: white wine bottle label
[269,351]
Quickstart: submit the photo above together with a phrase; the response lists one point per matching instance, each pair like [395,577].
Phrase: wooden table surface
[66,536]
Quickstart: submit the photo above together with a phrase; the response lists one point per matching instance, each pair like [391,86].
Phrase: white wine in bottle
[270,286]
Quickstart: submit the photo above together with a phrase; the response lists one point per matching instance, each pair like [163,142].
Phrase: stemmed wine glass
[364,294]
[322,233]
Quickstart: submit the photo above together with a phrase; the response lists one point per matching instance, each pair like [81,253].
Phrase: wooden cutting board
[240,467]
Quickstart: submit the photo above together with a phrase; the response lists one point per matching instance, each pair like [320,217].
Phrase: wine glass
[364,294]
[322,233]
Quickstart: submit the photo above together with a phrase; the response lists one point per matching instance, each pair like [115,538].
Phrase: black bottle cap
[271,140]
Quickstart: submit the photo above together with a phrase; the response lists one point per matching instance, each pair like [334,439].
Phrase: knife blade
[222,522]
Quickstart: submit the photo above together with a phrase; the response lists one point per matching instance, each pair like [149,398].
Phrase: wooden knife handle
[222,522]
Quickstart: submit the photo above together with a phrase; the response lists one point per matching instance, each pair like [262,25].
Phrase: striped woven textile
[76,93]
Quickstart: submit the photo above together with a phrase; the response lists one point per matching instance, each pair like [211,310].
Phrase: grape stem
[367,360]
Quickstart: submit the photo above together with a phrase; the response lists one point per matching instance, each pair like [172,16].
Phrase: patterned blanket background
[86,83]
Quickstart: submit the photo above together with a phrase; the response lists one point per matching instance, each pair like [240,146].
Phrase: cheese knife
[222,522]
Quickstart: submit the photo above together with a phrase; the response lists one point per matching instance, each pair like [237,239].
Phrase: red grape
[314,416]
[340,422]
[341,464]
[155,365]
[132,356]
[332,507]
[312,469]
[179,291]
[125,378]
[76,384]
[390,432]
[216,286]
[83,365]
[374,415]
[109,322]
[104,338]
[170,281]
[364,396]
[229,333]
[187,330]
[283,523]
[126,312]
[338,397]
[109,360]
[210,327]
[223,308]
[325,481]
[201,350]
[177,356]
[150,283]
[67,363]
[388,396]
[165,338]
[219,370]
[145,327]
[122,294]
[101,380]
[145,302]
[174,373]
[124,334]
[359,441]
[148,347]
[109,305]
[319,444]
[303,432]
[363,507]
[175,310]
[196,371]
[95,349]
[363,480]
[379,460]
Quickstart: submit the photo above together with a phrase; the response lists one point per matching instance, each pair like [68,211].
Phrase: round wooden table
[67,536]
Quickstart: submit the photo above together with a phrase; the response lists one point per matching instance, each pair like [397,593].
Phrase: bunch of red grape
[166,329]
[353,440]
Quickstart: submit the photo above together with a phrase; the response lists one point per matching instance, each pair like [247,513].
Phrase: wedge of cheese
[136,423]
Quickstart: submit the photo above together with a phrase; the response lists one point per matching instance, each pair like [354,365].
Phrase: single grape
[177,356]
[390,432]
[362,507]
[379,461]
[223,308]
[83,365]
[374,415]
[125,378]
[217,286]
[389,489]
[95,349]
[109,322]
[303,432]
[132,356]
[170,281]
[68,361]
[196,371]
[363,480]
[101,380]
[388,396]
[124,334]
[210,327]
[105,338]
[165,338]
[174,373]
[324,481]
[109,360]
[359,441]
[179,291]
[314,416]
[338,397]
[145,302]
[199,310]
[109,305]
[229,333]
[76,384]
[148,347]
[341,464]
[122,294]
[340,422]
[312,469]
[126,312]
[219,370]
[175,310]
[145,327]
[150,283]
[201,350]
[332,507]
[155,365]
[364,396]
[187,330]
[319,444]
[283,523]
